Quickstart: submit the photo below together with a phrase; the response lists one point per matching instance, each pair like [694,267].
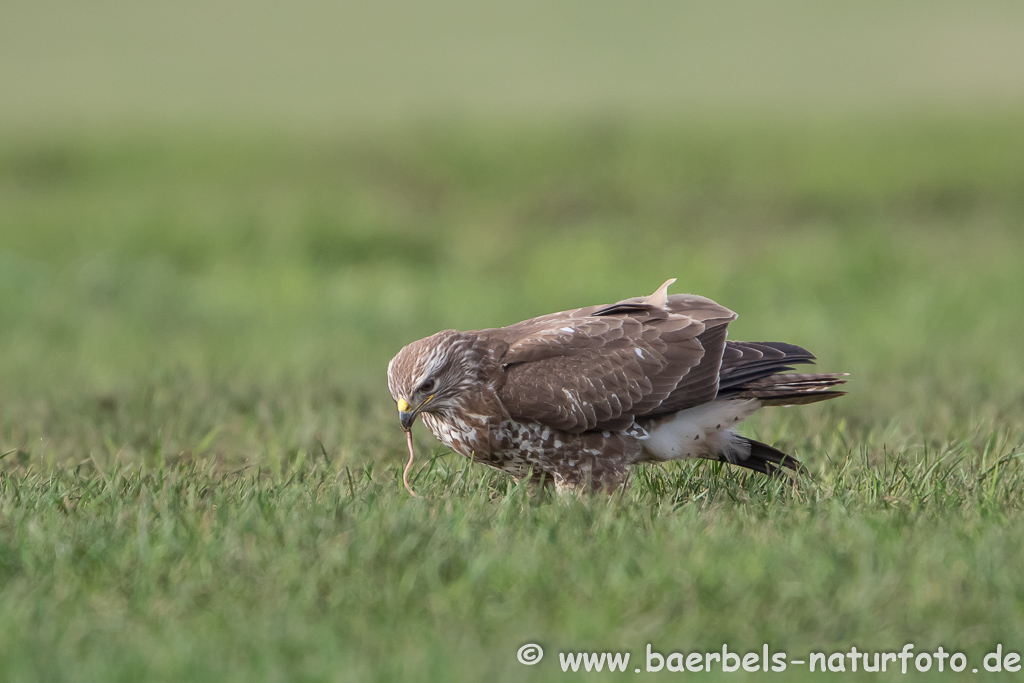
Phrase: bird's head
[432,375]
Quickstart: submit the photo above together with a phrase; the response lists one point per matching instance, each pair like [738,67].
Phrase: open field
[202,465]
[319,64]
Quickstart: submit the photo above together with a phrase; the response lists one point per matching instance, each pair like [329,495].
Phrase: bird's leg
[538,482]
[591,476]
[567,485]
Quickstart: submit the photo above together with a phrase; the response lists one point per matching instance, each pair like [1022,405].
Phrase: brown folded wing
[603,366]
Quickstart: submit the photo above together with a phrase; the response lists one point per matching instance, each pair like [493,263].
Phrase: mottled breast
[459,435]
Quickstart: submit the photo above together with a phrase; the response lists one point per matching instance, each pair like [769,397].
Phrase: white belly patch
[700,431]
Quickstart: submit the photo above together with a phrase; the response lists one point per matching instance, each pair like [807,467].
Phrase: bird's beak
[406,414]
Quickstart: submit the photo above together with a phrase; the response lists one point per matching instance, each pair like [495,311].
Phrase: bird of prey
[578,397]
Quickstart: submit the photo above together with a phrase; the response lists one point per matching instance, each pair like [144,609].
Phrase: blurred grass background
[218,221]
[318,64]
[139,275]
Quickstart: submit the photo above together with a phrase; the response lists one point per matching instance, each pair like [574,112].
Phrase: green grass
[202,469]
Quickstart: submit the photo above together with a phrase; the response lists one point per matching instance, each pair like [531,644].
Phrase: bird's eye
[428,386]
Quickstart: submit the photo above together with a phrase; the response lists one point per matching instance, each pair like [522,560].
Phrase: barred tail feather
[788,389]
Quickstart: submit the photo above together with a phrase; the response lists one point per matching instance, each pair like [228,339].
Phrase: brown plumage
[577,397]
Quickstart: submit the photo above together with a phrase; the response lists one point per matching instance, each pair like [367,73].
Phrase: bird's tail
[790,388]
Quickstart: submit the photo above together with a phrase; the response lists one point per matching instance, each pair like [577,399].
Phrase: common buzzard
[578,397]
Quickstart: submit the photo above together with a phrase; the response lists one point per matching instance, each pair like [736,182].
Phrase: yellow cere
[403,405]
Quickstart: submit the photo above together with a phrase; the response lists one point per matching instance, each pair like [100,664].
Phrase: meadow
[201,464]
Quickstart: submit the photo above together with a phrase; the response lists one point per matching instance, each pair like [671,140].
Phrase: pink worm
[408,465]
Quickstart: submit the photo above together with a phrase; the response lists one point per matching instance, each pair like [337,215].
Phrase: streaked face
[427,374]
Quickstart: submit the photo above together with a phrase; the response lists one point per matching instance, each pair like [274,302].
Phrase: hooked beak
[406,414]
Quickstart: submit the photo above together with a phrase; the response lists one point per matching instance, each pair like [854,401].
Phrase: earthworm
[408,465]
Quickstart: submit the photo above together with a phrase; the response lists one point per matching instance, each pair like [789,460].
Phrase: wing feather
[601,367]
